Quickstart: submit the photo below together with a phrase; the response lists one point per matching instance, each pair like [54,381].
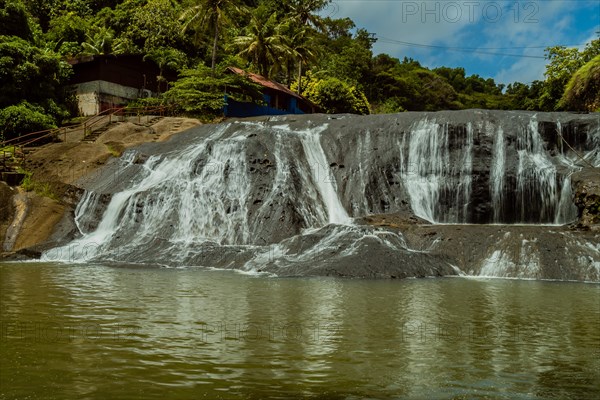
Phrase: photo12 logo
[469,11]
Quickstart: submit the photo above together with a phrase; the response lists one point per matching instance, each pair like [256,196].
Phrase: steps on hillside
[176,126]
[153,120]
[92,137]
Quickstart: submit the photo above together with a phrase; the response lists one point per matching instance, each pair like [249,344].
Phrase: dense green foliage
[583,90]
[335,96]
[32,96]
[328,60]
[200,91]
[24,117]
[14,20]
[29,73]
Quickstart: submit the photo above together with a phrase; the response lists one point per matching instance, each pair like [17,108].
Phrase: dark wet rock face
[586,186]
[6,209]
[280,196]
[462,167]
[515,251]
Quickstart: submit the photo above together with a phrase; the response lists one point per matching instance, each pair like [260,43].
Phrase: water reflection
[94,331]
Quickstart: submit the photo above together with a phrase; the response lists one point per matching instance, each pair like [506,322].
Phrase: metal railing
[119,115]
[19,143]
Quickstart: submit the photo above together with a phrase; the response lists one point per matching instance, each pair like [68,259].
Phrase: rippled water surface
[127,332]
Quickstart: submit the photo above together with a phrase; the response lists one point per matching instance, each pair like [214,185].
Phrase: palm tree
[297,42]
[212,14]
[166,58]
[263,43]
[99,43]
[304,12]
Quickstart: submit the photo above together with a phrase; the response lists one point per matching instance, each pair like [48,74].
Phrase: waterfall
[497,173]
[179,199]
[252,193]
[283,186]
[201,194]
[320,172]
[425,168]
[438,175]
[566,211]
[536,176]
[364,146]
[434,175]
[84,214]
[466,178]
[323,178]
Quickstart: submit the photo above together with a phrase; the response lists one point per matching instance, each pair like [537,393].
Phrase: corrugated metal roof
[261,80]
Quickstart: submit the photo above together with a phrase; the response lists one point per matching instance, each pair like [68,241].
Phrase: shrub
[335,96]
[22,119]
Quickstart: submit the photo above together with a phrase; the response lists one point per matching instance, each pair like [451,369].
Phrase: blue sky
[515,27]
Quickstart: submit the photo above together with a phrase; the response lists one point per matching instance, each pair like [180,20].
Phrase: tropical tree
[263,42]
[305,13]
[24,118]
[563,63]
[166,58]
[212,15]
[199,91]
[299,47]
[32,81]
[29,73]
[66,33]
[351,59]
[99,42]
[155,25]
[14,20]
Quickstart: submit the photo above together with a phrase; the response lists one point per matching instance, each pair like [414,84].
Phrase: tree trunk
[214,50]
[159,80]
[289,68]
[264,66]
[300,77]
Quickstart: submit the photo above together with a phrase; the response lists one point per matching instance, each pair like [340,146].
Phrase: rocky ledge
[586,189]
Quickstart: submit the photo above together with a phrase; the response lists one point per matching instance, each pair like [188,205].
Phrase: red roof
[261,80]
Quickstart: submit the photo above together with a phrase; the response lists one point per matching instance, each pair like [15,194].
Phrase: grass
[8,149]
[115,149]
[43,189]
[10,152]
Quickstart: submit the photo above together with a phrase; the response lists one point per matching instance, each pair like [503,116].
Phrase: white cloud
[523,70]
[464,23]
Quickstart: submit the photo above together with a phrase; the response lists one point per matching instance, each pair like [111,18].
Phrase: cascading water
[497,172]
[434,176]
[323,179]
[319,183]
[202,194]
[536,177]
[283,193]
[439,179]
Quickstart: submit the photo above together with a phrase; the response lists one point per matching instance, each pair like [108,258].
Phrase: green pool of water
[125,332]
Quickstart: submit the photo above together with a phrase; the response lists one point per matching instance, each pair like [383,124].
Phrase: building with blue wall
[279,100]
